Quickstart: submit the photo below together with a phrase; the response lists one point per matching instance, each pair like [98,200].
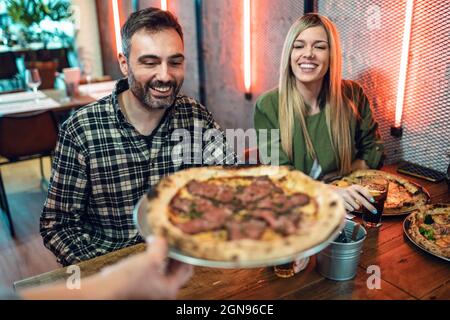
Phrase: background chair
[24,137]
[10,76]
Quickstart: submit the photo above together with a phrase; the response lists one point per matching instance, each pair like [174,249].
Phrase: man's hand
[148,275]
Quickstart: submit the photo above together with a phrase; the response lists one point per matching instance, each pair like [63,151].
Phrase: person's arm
[61,224]
[142,276]
[264,126]
[95,288]
[369,154]
[357,164]
[367,137]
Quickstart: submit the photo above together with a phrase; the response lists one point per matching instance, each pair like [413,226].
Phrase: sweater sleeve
[268,135]
[368,141]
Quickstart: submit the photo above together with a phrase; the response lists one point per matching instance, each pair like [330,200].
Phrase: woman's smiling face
[310,57]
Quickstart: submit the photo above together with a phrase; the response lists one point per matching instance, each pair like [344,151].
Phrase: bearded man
[111,152]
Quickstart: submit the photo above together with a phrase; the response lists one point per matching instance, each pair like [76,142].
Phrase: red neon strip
[403,64]
[116,14]
[247,47]
[164,5]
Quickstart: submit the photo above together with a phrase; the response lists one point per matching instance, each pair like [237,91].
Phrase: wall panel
[222,26]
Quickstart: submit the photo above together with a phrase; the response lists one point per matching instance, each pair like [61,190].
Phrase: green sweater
[367,143]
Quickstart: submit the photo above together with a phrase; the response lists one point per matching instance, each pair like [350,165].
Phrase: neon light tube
[403,64]
[247,47]
[116,15]
[164,5]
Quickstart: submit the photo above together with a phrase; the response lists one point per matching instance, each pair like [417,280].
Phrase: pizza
[243,214]
[403,195]
[430,228]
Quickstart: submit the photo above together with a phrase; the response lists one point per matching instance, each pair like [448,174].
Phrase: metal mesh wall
[371,34]
[427,104]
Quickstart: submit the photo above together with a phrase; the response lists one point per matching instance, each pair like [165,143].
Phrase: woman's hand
[354,197]
[359,164]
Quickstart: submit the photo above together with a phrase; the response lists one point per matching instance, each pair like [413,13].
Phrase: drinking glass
[378,188]
[290,269]
[33,80]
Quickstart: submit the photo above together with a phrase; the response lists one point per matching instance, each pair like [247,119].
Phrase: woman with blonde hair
[326,123]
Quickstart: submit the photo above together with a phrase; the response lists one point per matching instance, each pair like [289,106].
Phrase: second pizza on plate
[403,196]
[429,228]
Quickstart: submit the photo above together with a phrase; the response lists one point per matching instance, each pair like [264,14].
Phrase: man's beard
[143,94]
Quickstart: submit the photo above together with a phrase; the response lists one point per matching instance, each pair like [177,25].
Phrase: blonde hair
[338,108]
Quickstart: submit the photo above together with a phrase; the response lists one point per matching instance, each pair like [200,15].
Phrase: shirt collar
[121,86]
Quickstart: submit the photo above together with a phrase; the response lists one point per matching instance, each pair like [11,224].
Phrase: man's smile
[161,91]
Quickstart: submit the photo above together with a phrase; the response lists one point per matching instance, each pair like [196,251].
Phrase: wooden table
[81,99]
[406,271]
[65,103]
[61,104]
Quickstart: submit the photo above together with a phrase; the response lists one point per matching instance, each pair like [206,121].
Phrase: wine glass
[33,80]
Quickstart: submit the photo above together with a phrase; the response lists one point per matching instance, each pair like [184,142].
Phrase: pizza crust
[416,219]
[330,216]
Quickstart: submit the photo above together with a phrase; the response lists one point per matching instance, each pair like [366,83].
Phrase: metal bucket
[339,261]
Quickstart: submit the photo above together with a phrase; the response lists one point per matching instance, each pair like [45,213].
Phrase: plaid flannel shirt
[103,166]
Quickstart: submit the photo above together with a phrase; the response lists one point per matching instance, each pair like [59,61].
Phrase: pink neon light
[247,47]
[164,5]
[403,64]
[116,15]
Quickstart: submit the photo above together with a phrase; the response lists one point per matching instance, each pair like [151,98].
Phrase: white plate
[140,214]
[406,224]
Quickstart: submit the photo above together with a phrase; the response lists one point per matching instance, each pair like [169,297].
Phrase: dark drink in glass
[285,270]
[290,269]
[378,188]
